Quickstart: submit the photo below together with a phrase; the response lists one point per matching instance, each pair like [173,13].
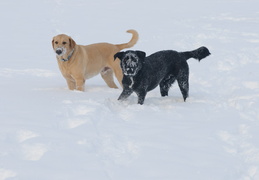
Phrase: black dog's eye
[64,43]
[56,42]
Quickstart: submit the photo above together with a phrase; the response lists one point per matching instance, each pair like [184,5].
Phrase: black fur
[143,74]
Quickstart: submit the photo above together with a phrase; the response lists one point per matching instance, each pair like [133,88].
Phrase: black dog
[143,74]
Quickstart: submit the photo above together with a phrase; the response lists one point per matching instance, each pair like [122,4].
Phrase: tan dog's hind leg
[107,75]
[117,71]
[119,76]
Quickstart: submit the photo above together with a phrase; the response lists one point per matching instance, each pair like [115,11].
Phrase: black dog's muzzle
[130,70]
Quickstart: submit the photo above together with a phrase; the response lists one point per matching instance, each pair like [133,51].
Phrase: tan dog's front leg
[71,83]
[80,84]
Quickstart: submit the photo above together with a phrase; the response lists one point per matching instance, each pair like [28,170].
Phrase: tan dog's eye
[56,42]
[64,43]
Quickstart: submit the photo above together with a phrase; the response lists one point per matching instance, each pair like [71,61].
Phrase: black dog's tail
[198,54]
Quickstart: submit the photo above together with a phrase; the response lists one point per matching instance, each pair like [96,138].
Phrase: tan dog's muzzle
[60,51]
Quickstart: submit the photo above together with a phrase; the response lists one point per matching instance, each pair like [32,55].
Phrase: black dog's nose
[58,52]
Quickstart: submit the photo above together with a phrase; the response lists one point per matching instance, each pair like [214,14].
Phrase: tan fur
[90,60]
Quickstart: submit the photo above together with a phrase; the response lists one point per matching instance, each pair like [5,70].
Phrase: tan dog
[78,63]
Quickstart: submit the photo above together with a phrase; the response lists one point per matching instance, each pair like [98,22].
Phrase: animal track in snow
[78,115]
[119,152]
[5,174]
[23,135]
[238,145]
[34,152]
[31,152]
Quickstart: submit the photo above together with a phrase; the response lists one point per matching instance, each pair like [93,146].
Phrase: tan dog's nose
[58,51]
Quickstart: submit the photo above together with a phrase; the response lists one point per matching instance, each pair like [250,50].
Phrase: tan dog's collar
[69,56]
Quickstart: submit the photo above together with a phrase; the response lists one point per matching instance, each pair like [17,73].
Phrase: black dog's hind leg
[125,93]
[183,82]
[164,88]
[165,85]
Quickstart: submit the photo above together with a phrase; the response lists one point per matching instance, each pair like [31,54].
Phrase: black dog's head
[131,61]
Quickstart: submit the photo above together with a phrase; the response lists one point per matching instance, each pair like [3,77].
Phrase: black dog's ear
[119,55]
[141,54]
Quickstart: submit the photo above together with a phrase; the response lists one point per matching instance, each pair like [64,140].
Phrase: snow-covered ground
[50,133]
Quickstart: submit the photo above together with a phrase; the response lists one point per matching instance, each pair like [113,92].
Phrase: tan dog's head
[63,44]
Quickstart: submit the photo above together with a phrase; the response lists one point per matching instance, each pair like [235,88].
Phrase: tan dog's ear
[53,43]
[72,43]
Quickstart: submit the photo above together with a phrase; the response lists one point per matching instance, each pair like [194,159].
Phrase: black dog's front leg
[141,97]
[125,93]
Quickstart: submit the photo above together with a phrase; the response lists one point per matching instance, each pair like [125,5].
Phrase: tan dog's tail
[132,42]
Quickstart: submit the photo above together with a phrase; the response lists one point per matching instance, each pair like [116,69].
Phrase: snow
[49,132]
